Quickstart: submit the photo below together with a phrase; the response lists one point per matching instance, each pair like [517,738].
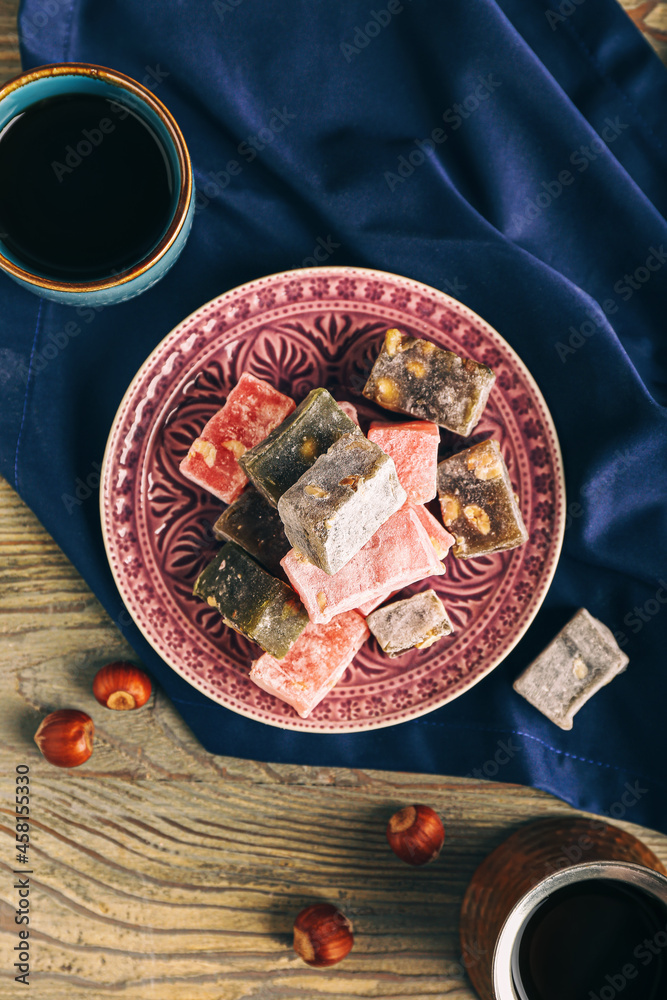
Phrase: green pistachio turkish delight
[255,525]
[251,601]
[416,377]
[339,504]
[280,459]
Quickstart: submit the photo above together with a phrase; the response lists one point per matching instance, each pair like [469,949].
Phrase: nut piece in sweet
[579,668]
[322,935]
[393,341]
[416,834]
[237,449]
[205,449]
[122,686]
[308,449]
[65,737]
[478,518]
[451,508]
[485,465]
[315,491]
[388,391]
[416,368]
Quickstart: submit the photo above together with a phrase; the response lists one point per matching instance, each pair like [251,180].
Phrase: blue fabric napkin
[540,202]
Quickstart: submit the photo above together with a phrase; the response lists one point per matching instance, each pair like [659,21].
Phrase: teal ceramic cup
[61,79]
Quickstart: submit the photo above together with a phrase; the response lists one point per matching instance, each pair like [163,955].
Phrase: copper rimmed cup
[525,870]
[71,78]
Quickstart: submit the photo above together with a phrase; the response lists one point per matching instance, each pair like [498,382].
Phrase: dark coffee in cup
[86,186]
[593,940]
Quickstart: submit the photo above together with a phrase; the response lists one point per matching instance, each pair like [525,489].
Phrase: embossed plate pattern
[301,329]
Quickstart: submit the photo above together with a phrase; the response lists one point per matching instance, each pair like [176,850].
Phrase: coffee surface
[85,187]
[593,941]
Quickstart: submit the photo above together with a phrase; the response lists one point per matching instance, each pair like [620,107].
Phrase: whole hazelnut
[65,737]
[122,686]
[322,935]
[416,834]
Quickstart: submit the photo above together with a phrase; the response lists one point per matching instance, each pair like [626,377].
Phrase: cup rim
[179,217]
[622,871]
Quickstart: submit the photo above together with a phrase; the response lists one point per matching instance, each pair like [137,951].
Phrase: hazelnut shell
[416,834]
[65,737]
[322,935]
[122,686]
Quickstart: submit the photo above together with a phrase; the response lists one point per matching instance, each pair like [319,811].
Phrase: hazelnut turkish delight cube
[415,376]
[287,452]
[414,623]
[478,503]
[336,507]
[253,408]
[581,659]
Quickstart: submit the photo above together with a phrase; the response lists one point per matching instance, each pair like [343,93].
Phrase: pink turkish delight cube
[349,409]
[315,663]
[365,609]
[441,540]
[400,552]
[253,408]
[414,449]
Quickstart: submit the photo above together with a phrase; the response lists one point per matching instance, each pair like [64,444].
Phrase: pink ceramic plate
[301,329]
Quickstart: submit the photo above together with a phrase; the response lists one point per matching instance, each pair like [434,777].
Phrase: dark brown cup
[526,869]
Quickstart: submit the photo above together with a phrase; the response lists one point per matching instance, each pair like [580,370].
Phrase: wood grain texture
[161,871]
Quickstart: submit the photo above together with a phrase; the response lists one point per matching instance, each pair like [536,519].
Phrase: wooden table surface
[161,871]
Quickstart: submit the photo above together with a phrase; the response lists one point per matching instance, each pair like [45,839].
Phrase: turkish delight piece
[283,456]
[400,552]
[365,609]
[478,504]
[581,659]
[415,376]
[315,663]
[340,502]
[441,539]
[414,623]
[251,601]
[414,449]
[255,525]
[349,409]
[253,408]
